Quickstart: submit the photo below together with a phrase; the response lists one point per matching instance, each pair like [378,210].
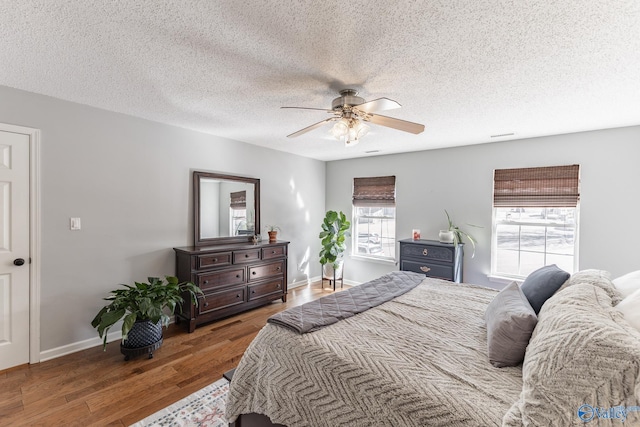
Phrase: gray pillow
[510,323]
[542,283]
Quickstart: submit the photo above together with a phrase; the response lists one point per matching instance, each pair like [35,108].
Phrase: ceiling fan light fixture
[359,130]
[349,130]
[340,129]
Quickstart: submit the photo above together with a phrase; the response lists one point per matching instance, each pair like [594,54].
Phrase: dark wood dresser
[434,259]
[234,277]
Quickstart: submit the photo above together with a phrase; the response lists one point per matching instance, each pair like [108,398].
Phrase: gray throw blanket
[328,310]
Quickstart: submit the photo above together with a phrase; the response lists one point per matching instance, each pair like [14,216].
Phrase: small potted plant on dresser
[335,230]
[142,308]
[272,230]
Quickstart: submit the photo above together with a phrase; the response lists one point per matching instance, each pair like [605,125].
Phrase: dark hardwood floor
[92,387]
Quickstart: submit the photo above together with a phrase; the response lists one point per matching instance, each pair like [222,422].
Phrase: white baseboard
[116,335]
[77,346]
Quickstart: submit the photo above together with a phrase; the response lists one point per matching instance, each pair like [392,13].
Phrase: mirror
[226,208]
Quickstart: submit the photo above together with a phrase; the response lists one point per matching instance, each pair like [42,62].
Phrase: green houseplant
[458,234]
[335,230]
[143,302]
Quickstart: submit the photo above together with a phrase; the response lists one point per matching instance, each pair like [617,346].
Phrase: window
[374,217]
[238,213]
[535,219]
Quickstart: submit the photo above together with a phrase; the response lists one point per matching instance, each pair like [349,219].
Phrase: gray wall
[129,180]
[461,181]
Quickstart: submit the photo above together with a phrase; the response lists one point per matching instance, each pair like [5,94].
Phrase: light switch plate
[74,224]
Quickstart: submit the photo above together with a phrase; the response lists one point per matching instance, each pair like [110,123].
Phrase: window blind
[553,186]
[374,191]
[239,200]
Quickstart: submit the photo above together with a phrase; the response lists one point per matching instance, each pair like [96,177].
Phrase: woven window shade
[239,200]
[554,186]
[375,191]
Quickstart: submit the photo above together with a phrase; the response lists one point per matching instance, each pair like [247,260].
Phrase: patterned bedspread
[418,360]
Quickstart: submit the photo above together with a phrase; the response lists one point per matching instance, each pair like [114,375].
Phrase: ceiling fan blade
[391,122]
[379,105]
[310,128]
[307,108]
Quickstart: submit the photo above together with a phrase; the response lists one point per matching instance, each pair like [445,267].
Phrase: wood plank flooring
[96,388]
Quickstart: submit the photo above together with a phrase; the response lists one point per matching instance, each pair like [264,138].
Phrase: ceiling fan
[350,111]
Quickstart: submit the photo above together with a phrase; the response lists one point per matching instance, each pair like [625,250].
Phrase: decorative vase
[272,236]
[446,236]
[143,338]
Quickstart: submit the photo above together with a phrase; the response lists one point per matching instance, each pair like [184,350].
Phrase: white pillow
[628,284]
[630,307]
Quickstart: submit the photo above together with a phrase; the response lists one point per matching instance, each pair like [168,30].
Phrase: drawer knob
[206,304]
[277,268]
[278,286]
[238,296]
[206,281]
[273,252]
[237,276]
[253,292]
[253,272]
[246,255]
[425,251]
[425,269]
[214,260]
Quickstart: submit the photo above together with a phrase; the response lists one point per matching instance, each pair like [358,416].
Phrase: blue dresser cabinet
[432,258]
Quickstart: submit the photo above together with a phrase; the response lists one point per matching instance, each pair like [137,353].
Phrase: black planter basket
[144,338]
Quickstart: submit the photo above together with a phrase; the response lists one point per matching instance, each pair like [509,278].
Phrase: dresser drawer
[218,300]
[246,256]
[424,252]
[267,288]
[429,269]
[213,260]
[266,270]
[214,279]
[275,252]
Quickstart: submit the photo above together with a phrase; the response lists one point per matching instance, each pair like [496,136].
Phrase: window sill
[504,280]
[386,261]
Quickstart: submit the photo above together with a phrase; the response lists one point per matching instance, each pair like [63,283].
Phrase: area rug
[204,408]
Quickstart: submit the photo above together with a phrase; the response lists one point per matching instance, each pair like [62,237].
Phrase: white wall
[129,180]
[461,181]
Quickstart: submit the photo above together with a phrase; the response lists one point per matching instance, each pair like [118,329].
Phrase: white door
[14,249]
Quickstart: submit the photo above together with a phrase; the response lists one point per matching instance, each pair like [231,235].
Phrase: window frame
[355,244]
[545,187]
[377,192]
[521,223]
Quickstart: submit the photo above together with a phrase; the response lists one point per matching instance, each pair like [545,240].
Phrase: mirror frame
[197,241]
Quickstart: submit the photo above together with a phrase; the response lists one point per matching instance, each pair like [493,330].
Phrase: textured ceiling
[467,70]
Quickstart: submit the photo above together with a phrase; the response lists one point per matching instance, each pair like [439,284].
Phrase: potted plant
[335,230]
[272,230]
[455,234]
[143,309]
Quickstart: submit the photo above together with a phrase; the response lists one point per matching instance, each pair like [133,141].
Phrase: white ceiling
[467,70]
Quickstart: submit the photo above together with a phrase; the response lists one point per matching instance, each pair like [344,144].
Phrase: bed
[421,359]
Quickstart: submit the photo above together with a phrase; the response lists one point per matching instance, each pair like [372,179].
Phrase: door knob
[18,261]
